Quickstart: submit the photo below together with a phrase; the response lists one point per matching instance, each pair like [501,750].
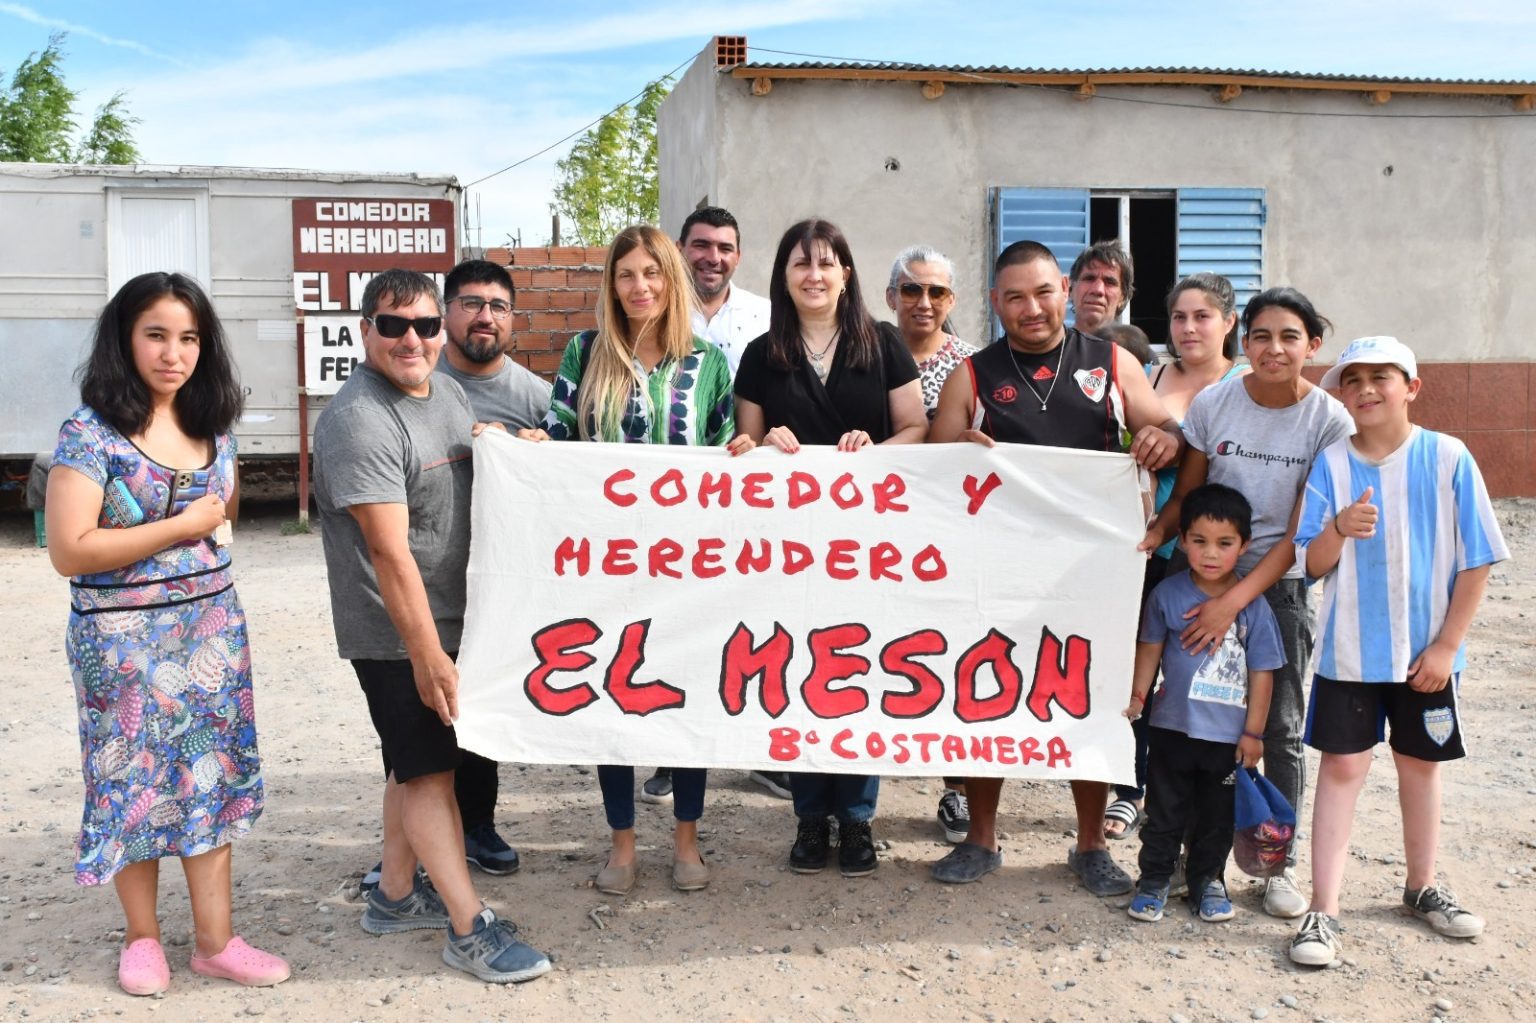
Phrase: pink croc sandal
[242,964]
[142,969]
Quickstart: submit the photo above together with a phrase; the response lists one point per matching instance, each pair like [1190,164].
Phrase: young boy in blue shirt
[1398,524]
[1210,712]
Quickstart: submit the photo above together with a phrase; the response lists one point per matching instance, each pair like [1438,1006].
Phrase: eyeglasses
[911,291]
[472,304]
[395,326]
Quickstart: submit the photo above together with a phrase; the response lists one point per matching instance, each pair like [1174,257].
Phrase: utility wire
[585,127]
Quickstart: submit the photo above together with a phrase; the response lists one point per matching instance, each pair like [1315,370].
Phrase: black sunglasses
[912,291]
[395,326]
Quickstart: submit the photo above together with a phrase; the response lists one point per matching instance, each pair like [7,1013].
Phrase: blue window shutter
[1055,217]
[1221,230]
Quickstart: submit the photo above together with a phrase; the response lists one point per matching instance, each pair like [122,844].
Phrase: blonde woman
[642,377]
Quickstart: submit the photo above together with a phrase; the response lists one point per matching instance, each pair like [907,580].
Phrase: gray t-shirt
[515,397]
[375,444]
[1265,453]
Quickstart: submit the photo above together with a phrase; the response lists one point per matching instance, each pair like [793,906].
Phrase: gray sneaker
[492,953]
[421,910]
[1316,942]
[1282,896]
[1436,906]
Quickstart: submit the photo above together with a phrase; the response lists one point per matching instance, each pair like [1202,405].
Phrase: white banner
[906,610]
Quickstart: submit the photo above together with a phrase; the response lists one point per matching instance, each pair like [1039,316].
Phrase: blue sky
[465,89]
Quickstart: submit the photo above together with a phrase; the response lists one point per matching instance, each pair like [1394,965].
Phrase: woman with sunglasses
[922,295]
[642,377]
[825,374]
[140,497]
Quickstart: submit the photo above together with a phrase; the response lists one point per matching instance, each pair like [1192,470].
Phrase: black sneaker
[856,850]
[658,787]
[776,782]
[1436,906]
[484,848]
[809,854]
[954,816]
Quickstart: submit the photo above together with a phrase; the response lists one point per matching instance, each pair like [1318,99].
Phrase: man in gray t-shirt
[480,298]
[392,479]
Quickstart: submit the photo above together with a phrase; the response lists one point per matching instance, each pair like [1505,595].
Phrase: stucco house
[1400,206]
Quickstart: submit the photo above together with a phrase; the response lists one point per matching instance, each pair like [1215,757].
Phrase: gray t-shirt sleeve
[364,454]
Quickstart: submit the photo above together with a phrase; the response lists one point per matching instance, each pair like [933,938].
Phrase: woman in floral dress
[156,642]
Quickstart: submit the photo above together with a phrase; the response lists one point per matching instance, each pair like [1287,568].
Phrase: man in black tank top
[1042,383]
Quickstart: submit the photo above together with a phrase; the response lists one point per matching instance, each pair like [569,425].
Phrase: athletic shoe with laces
[1215,906]
[421,909]
[375,874]
[809,854]
[776,782]
[1437,906]
[492,952]
[1282,898]
[658,787]
[484,848]
[954,816]
[856,850]
[1316,942]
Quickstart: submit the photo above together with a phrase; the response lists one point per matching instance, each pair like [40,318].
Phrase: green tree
[609,180]
[37,121]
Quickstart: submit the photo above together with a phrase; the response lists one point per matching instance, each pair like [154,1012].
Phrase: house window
[156,229]
[1170,234]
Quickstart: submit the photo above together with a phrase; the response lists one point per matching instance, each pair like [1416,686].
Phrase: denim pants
[618,785]
[848,797]
[1285,763]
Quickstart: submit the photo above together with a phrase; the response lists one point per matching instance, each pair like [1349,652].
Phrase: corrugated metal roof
[962,69]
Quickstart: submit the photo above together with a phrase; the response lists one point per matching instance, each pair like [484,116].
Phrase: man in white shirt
[728,316]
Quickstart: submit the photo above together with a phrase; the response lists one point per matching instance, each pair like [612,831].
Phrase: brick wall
[556,299]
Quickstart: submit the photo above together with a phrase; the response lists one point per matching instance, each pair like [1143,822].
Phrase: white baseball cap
[1374,350]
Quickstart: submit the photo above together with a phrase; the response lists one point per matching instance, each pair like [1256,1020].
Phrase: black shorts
[1351,717]
[413,739]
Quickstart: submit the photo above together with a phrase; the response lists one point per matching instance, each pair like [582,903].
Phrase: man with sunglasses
[392,481]
[479,297]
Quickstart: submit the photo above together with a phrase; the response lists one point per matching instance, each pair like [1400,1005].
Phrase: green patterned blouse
[685,401]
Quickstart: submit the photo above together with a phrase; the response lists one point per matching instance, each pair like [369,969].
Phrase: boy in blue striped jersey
[1397,523]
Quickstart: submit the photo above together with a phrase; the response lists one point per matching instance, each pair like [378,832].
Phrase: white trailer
[73,234]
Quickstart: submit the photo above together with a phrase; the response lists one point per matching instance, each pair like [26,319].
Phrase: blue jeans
[618,785]
[848,797]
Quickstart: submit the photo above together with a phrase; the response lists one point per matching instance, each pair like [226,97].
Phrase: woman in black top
[824,374]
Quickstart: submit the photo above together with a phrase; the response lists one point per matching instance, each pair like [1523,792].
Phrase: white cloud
[28,14]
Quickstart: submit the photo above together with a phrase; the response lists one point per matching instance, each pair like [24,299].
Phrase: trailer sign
[339,244]
[333,346]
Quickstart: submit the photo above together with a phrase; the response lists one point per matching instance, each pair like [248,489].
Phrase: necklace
[817,358]
[1061,353]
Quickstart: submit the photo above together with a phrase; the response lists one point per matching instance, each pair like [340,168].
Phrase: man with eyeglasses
[392,481]
[479,297]
[728,316]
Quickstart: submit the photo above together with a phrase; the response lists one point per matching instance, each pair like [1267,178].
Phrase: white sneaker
[1316,942]
[1282,898]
